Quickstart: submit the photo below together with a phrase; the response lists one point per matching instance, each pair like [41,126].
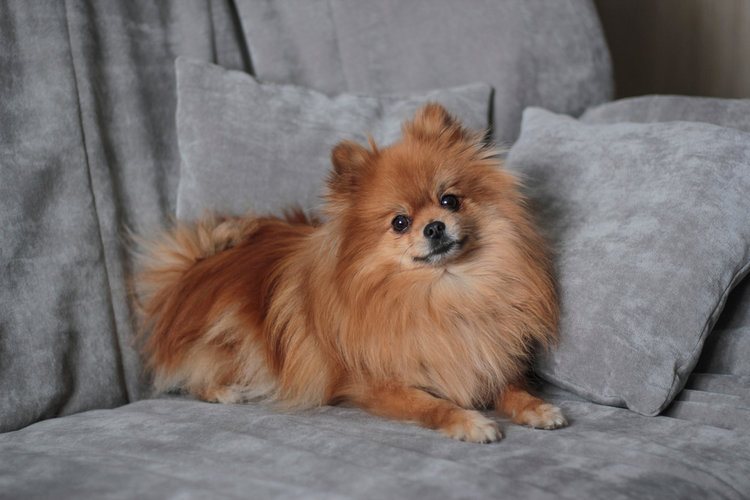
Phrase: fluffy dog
[420,297]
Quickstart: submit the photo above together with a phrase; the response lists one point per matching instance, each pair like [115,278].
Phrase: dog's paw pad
[544,416]
[473,427]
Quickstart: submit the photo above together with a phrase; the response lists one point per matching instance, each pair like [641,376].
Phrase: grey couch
[88,150]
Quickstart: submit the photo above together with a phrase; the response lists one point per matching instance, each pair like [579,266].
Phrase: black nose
[434,230]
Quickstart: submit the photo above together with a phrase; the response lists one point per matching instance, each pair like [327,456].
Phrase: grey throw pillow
[727,349]
[251,146]
[649,223]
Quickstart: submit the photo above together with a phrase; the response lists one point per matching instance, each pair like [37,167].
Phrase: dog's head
[423,203]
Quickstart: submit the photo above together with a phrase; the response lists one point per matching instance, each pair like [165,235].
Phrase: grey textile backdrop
[87,147]
[542,53]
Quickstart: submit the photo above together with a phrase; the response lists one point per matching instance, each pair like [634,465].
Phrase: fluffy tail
[162,261]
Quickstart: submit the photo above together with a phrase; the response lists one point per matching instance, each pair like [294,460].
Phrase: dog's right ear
[350,160]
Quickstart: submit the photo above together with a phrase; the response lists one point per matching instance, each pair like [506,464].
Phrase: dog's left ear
[432,121]
[350,160]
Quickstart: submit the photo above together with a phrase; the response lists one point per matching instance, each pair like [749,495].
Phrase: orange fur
[307,313]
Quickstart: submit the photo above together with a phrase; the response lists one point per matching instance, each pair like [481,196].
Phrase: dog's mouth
[445,250]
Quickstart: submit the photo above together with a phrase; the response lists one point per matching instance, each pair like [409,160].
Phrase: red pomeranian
[420,297]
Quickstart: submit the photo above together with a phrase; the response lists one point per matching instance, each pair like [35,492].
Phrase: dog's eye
[450,202]
[400,223]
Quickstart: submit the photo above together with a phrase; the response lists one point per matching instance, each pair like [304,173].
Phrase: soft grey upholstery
[546,53]
[87,148]
[177,448]
[734,113]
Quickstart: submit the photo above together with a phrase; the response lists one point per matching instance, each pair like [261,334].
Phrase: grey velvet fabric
[261,147]
[719,400]
[734,113]
[56,326]
[178,448]
[727,349]
[87,147]
[649,222]
[547,53]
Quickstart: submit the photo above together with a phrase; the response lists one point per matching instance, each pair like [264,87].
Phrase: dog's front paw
[543,416]
[472,426]
[220,394]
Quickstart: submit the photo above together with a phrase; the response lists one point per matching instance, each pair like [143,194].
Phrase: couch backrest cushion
[532,52]
[734,113]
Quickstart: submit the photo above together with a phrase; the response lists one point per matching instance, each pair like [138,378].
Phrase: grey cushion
[533,52]
[246,145]
[178,448]
[649,222]
[727,349]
